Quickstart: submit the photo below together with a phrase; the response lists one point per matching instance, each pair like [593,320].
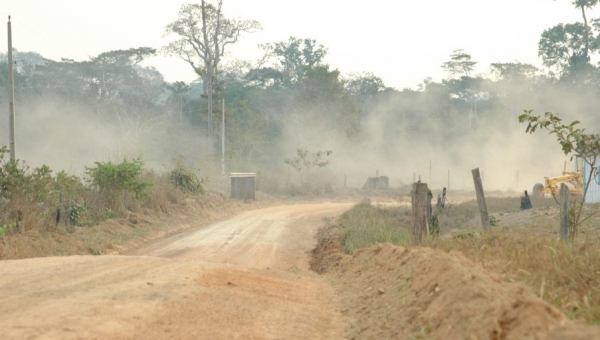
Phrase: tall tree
[365,87]
[203,33]
[583,4]
[323,101]
[460,63]
[514,71]
[296,55]
[564,48]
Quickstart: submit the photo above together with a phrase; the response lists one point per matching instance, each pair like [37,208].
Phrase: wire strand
[41,37]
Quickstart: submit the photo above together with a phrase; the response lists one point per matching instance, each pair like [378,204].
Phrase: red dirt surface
[246,277]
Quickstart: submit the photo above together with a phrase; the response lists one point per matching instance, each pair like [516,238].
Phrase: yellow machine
[572,178]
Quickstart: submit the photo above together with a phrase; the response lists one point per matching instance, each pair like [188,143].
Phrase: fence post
[419,205]
[485,218]
[564,212]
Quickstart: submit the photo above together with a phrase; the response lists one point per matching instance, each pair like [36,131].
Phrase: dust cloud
[443,151]
[69,136]
[439,146]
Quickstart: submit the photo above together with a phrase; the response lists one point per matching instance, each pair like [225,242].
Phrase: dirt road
[246,277]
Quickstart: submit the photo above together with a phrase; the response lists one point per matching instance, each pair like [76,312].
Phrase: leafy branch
[572,139]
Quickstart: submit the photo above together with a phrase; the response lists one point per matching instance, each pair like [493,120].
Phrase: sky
[403,42]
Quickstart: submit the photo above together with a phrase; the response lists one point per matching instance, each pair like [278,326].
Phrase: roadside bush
[70,192]
[17,179]
[119,185]
[35,199]
[25,194]
[187,181]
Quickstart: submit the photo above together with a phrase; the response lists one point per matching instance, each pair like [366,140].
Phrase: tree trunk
[208,62]
[210,113]
[586,38]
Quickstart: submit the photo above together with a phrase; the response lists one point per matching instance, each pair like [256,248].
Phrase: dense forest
[71,113]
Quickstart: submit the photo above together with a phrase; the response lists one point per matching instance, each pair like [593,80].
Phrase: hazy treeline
[73,112]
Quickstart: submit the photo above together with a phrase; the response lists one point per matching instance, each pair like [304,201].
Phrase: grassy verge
[565,275]
[45,214]
[367,224]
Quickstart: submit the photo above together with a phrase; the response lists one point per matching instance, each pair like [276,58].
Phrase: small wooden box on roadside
[243,185]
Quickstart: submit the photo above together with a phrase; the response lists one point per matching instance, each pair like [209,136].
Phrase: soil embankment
[391,292]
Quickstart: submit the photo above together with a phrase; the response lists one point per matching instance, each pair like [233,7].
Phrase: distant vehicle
[574,180]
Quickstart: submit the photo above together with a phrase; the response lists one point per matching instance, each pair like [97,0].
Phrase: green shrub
[187,181]
[67,187]
[26,194]
[117,182]
[75,214]
[17,179]
[494,221]
[7,228]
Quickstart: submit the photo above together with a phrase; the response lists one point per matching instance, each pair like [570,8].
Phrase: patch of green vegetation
[294,269]
[7,228]
[464,235]
[187,181]
[368,225]
[94,252]
[494,221]
[115,179]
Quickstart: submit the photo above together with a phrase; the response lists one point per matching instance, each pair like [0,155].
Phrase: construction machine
[574,179]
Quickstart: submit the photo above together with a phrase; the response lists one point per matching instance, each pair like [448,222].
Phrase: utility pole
[11,95]
[430,184]
[223,139]
[210,113]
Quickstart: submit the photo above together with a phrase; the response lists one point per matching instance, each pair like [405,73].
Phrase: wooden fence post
[485,218]
[419,205]
[564,212]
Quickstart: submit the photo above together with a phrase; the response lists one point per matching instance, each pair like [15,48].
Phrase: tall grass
[367,224]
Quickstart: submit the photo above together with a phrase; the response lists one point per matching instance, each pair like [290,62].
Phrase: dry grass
[116,234]
[568,276]
[466,215]
[526,251]
[162,193]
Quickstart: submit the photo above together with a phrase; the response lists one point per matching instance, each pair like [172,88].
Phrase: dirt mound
[395,292]
[328,251]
